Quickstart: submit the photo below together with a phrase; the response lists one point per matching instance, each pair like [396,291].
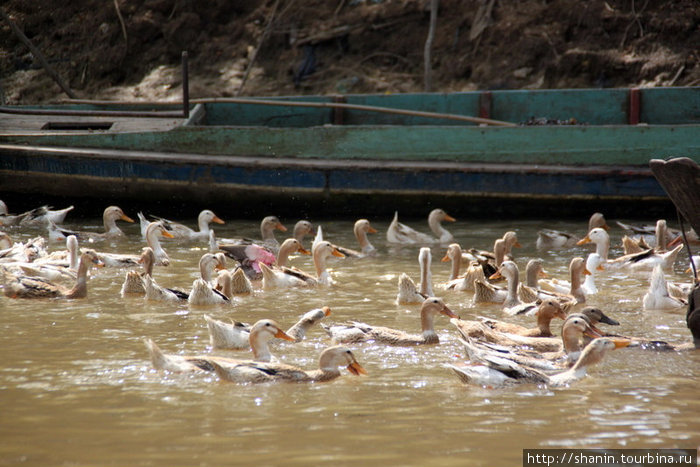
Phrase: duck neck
[456,264]
[660,236]
[260,347]
[203,225]
[426,280]
[531,276]
[427,324]
[319,263]
[576,290]
[571,341]
[73,256]
[602,247]
[154,243]
[362,239]
[206,271]
[227,286]
[499,251]
[512,281]
[80,288]
[110,225]
[543,322]
[283,254]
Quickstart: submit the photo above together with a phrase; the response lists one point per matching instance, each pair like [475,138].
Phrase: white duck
[361,228]
[182,232]
[257,372]
[44,214]
[261,334]
[658,297]
[492,370]
[289,247]
[572,288]
[203,293]
[236,335]
[403,234]
[301,229]
[408,292]
[464,282]
[288,277]
[644,261]
[110,216]
[360,332]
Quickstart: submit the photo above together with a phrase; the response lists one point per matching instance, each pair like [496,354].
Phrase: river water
[78,388]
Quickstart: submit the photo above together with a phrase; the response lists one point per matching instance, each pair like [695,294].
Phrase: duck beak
[586,272]
[126,218]
[621,343]
[449,313]
[449,218]
[217,220]
[584,240]
[356,369]
[608,320]
[371,230]
[542,274]
[445,258]
[219,267]
[326,310]
[280,334]
[496,275]
[281,227]
[166,234]
[337,253]
[600,267]
[303,250]
[592,332]
[517,245]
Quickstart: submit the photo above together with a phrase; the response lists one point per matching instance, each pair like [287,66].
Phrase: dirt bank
[345,46]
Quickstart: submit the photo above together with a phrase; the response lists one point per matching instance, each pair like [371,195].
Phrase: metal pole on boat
[185,86]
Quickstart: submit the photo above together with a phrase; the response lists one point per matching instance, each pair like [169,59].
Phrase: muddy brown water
[78,388]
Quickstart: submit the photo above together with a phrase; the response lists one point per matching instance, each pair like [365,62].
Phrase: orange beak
[445,258]
[356,369]
[586,272]
[371,230]
[126,218]
[281,227]
[541,273]
[303,251]
[337,253]
[166,234]
[283,335]
[217,220]
[449,218]
[517,245]
[496,275]
[584,240]
[326,310]
[621,343]
[449,313]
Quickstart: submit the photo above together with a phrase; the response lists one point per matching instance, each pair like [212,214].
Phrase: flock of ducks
[500,352]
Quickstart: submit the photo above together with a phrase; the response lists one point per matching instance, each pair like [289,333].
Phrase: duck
[236,335]
[182,232]
[658,233]
[495,371]
[547,310]
[44,214]
[657,296]
[634,245]
[37,215]
[289,247]
[203,292]
[529,291]
[63,258]
[34,287]
[155,292]
[484,292]
[257,372]
[548,239]
[355,331]
[464,282]
[408,292]
[27,252]
[133,280]
[572,288]
[59,265]
[644,261]
[291,277]
[110,216]
[301,229]
[240,284]
[405,235]
[153,232]
[261,333]
[361,228]
[5,241]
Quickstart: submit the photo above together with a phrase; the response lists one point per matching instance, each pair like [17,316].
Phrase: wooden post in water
[428,72]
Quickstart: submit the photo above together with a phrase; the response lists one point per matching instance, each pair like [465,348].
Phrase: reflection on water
[78,389]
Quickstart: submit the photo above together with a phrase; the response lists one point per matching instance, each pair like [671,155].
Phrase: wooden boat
[582,145]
